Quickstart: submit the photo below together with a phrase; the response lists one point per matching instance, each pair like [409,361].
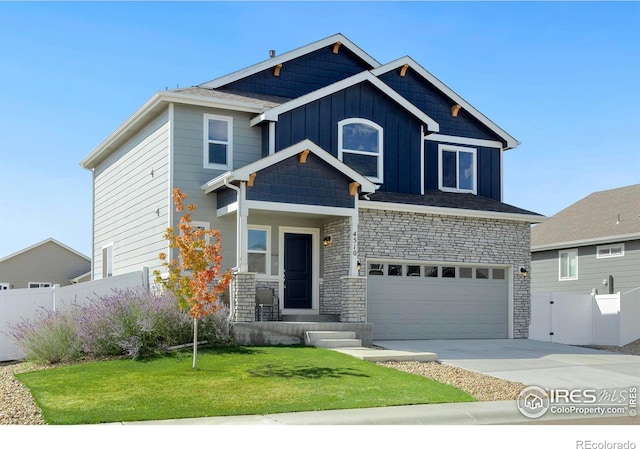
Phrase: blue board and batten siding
[436,105]
[315,182]
[318,121]
[302,75]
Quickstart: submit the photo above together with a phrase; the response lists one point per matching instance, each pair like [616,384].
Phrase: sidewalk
[498,412]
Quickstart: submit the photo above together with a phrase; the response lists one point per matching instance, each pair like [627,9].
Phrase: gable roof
[288,56]
[511,141]
[50,240]
[602,217]
[243,174]
[273,113]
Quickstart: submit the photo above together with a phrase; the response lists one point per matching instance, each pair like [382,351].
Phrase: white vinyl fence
[584,319]
[26,303]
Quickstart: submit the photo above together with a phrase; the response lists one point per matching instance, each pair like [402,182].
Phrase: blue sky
[563,78]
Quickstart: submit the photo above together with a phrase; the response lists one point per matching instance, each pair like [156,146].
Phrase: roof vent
[272,53]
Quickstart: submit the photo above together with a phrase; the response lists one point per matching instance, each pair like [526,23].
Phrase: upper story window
[218,142]
[568,260]
[458,169]
[610,251]
[360,147]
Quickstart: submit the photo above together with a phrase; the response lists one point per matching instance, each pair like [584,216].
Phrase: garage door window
[431,272]
[395,270]
[482,273]
[376,269]
[498,273]
[448,272]
[413,270]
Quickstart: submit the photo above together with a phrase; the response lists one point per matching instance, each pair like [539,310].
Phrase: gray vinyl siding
[48,262]
[129,186]
[189,172]
[591,270]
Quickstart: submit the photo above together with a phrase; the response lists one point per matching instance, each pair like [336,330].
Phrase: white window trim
[267,252]
[458,149]
[607,256]
[206,141]
[560,253]
[104,265]
[202,224]
[40,284]
[380,155]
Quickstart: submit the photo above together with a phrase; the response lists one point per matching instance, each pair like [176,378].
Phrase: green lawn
[228,381]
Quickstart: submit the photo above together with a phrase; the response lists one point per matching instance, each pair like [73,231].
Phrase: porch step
[311,337]
[310,318]
[333,343]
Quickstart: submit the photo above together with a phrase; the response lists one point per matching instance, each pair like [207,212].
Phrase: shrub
[130,322]
[51,337]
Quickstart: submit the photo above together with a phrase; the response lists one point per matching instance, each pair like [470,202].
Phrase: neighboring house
[578,248]
[44,264]
[367,192]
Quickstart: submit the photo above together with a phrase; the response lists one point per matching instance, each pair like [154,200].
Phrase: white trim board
[511,141]
[449,211]
[243,173]
[288,56]
[273,113]
[587,242]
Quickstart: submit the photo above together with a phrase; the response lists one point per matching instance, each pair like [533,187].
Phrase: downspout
[238,247]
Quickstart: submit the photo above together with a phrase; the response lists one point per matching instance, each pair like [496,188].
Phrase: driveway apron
[531,362]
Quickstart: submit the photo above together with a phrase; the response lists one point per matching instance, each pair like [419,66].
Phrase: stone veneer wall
[412,236]
[354,299]
[244,293]
[335,265]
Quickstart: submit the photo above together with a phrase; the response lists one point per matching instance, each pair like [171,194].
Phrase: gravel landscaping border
[18,407]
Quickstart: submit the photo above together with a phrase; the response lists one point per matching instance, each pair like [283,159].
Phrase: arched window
[360,147]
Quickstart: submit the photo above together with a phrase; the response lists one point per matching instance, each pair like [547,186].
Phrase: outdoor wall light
[326,241]
[358,266]
[523,272]
[605,282]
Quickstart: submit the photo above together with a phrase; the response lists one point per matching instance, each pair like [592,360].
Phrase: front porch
[293,333]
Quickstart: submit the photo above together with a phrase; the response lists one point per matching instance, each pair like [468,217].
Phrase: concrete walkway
[531,362]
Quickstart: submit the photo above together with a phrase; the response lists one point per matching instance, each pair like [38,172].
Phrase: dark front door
[297,271]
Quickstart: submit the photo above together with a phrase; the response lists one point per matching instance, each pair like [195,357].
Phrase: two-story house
[368,192]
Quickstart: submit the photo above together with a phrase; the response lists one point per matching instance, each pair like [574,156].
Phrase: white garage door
[427,301]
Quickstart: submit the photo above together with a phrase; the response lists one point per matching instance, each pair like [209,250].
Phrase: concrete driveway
[531,362]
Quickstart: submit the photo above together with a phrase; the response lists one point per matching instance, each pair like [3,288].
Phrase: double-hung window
[457,167]
[259,249]
[360,147]
[218,142]
[568,261]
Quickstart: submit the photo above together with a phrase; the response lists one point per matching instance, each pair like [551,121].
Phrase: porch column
[354,299]
[244,295]
[243,230]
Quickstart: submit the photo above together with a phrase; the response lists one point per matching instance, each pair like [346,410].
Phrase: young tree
[195,277]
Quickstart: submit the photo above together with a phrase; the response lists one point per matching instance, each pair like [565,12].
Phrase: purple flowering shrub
[130,322]
[50,337]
